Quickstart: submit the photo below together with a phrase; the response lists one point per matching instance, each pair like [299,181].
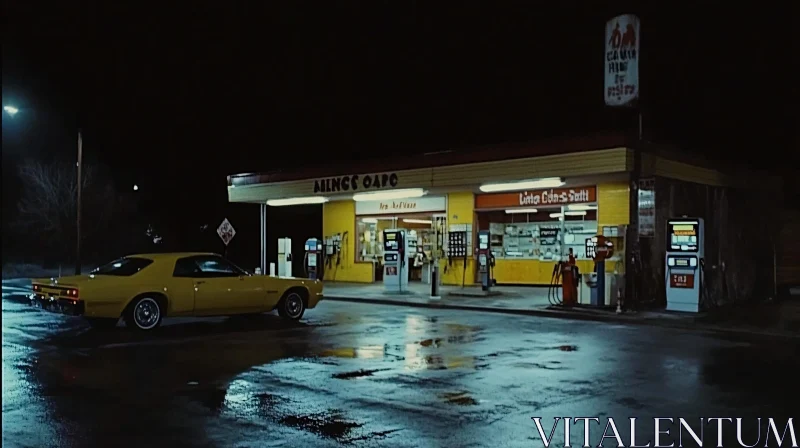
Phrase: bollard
[272,269]
[435,281]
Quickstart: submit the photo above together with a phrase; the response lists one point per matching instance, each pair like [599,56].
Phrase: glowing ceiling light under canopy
[297,201]
[406,193]
[524,185]
[370,220]
[559,215]
[11,110]
[418,221]
[521,210]
[581,207]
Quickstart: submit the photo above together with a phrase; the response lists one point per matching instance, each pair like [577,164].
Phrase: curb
[573,315]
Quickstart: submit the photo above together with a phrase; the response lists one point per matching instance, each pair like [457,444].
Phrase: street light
[135,188]
[11,110]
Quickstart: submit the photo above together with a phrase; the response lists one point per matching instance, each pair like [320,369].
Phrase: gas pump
[312,258]
[569,282]
[600,249]
[685,252]
[395,257]
[284,257]
[485,260]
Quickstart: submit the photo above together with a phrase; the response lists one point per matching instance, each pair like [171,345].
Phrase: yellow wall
[460,210]
[339,217]
[612,208]
[531,272]
[613,204]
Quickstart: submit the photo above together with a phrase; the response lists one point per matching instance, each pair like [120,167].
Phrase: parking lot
[365,375]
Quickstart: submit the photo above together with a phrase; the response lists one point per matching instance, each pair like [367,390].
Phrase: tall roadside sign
[622,61]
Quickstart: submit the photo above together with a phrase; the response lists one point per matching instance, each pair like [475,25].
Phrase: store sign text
[424,204]
[553,196]
[356,182]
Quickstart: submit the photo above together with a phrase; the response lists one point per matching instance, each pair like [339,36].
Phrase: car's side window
[216,267]
[186,267]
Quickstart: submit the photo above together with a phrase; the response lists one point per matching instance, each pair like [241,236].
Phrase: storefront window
[370,236]
[420,227]
[544,233]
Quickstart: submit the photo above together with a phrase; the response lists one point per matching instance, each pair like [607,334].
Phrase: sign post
[622,90]
[646,206]
[226,233]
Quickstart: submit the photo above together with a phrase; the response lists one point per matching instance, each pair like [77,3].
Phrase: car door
[222,288]
[180,288]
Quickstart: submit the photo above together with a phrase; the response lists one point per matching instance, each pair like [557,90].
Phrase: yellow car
[143,289]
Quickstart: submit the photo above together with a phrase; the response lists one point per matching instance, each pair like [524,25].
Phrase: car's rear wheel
[145,313]
[102,323]
[292,305]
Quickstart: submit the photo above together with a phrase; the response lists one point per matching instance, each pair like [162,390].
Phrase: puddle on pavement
[355,374]
[412,357]
[242,402]
[245,404]
[327,424]
[553,365]
[442,362]
[458,398]
[455,339]
[563,348]
[366,352]
[417,355]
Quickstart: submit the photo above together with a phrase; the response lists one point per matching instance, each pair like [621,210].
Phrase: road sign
[226,232]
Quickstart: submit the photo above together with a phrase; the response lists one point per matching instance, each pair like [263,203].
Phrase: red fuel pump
[569,281]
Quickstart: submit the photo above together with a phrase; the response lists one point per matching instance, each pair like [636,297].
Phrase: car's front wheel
[145,313]
[292,305]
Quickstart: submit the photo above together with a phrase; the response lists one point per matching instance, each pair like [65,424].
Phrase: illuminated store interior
[544,233]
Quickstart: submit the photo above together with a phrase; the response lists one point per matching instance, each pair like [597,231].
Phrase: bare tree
[47,208]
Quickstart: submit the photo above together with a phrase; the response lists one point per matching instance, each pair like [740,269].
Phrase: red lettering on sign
[681,281]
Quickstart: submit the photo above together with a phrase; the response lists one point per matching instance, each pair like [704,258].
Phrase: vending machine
[395,260]
[284,257]
[485,260]
[684,259]
[313,257]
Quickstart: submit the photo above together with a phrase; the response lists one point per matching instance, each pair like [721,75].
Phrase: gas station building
[538,202]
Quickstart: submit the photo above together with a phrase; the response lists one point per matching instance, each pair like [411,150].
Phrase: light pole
[78,207]
[11,110]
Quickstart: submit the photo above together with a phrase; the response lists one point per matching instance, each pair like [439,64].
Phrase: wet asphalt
[369,375]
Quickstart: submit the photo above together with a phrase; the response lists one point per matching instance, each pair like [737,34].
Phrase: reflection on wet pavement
[459,398]
[362,375]
[357,374]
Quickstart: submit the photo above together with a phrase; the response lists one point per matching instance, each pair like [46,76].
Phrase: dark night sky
[175,98]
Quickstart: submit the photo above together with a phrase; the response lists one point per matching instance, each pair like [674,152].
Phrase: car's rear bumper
[71,307]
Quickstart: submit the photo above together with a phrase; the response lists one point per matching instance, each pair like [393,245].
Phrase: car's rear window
[124,267]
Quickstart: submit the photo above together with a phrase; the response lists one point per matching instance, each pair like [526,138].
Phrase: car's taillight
[72,292]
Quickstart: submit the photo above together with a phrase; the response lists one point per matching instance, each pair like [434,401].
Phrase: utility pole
[78,207]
